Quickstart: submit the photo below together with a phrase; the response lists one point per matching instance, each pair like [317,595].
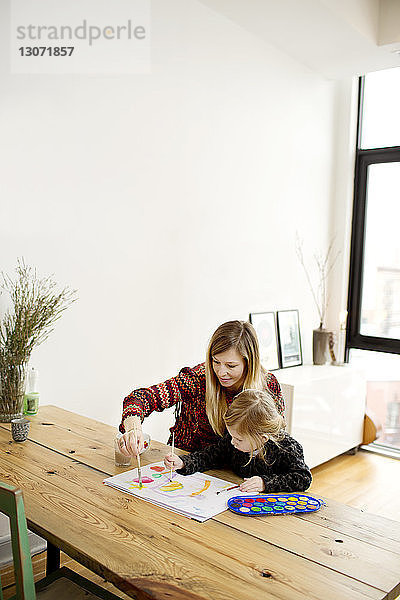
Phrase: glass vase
[12,390]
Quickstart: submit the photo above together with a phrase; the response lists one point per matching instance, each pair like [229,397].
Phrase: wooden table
[148,552]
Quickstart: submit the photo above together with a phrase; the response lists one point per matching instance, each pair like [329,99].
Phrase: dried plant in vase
[35,306]
[324,263]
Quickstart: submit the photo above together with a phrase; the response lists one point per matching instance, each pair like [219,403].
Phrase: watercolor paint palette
[273,504]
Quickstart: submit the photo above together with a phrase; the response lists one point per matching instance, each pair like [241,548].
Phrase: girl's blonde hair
[241,336]
[254,415]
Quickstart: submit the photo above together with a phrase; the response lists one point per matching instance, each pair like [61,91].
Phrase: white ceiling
[336,38]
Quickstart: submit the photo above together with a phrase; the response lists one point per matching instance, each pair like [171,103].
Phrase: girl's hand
[253,485]
[132,442]
[172,461]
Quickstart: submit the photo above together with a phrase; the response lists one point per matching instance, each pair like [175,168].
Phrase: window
[373,334]
[374,285]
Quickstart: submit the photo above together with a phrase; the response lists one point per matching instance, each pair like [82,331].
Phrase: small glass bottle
[341,339]
[31,398]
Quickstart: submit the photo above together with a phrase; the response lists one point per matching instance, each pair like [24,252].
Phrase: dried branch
[324,265]
[35,307]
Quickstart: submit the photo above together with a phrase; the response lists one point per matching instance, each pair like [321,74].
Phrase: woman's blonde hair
[241,336]
[254,415]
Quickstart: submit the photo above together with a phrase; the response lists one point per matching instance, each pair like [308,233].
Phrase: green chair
[62,584]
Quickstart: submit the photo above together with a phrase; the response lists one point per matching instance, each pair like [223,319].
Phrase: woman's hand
[172,461]
[253,485]
[132,441]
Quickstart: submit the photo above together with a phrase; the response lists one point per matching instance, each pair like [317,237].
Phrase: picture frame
[265,325]
[289,338]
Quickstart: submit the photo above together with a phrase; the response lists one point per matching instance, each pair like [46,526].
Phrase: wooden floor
[366,481]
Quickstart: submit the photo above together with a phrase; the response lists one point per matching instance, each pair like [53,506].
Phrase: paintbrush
[173,443]
[139,468]
[178,408]
[229,488]
[139,472]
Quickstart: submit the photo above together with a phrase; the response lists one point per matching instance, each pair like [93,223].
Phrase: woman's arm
[142,402]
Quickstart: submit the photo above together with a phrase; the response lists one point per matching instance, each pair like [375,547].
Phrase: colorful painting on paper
[191,495]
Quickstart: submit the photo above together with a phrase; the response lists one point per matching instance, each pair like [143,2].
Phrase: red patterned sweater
[192,429]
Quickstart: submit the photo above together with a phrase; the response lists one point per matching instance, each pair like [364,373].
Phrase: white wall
[169,200]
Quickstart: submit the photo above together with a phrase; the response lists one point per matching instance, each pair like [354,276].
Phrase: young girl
[204,392]
[256,448]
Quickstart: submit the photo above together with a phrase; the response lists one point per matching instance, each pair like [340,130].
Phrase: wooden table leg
[53,558]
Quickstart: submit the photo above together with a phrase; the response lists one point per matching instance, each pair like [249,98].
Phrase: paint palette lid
[262,505]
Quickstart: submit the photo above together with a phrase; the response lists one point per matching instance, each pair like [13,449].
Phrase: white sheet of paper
[193,496]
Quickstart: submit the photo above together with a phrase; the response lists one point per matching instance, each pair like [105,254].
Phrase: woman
[203,392]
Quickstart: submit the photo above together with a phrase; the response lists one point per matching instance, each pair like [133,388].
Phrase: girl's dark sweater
[283,471]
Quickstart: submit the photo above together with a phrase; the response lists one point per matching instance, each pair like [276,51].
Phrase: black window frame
[364,158]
